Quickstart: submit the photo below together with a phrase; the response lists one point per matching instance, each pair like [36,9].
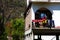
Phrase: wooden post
[39,37]
[57,37]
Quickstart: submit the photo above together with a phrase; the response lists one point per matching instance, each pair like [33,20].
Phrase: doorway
[45,15]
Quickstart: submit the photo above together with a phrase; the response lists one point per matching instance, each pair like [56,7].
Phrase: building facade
[42,15]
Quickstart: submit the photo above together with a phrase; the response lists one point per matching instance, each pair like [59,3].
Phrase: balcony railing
[39,25]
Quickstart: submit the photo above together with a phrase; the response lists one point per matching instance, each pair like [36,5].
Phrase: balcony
[45,30]
[43,24]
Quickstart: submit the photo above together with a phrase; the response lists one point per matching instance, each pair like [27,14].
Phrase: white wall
[45,0]
[56,17]
[33,15]
[55,0]
[54,8]
[27,2]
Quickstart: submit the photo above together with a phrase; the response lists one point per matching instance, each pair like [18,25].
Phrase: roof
[29,6]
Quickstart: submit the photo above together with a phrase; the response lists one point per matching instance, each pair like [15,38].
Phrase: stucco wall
[29,37]
[28,20]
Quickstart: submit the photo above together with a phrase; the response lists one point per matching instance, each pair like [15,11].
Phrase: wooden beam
[46,31]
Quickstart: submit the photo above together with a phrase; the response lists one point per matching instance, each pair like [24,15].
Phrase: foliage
[13,9]
[3,35]
[18,27]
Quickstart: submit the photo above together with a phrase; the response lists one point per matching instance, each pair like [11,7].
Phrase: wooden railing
[49,25]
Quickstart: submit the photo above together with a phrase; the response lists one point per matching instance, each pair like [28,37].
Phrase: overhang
[46,31]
